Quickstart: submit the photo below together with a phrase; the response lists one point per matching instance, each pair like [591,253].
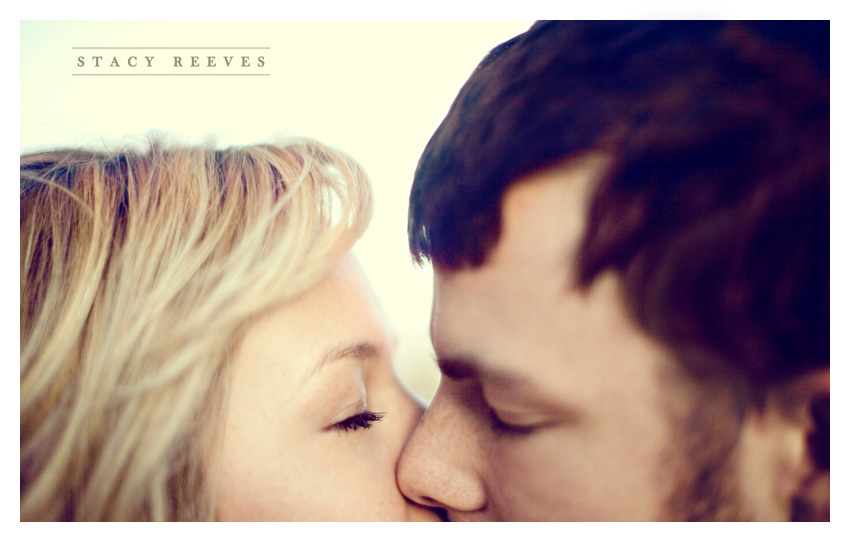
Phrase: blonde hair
[139,271]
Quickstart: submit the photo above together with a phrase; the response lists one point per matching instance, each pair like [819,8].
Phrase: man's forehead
[542,223]
[529,269]
[546,210]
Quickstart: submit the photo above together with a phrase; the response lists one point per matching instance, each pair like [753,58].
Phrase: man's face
[553,405]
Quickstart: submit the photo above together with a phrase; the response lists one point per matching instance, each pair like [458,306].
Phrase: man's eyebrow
[361,351]
[458,368]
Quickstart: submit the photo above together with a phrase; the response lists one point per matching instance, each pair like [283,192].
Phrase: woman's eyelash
[361,420]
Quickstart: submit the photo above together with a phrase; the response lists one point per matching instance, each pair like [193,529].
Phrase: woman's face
[316,419]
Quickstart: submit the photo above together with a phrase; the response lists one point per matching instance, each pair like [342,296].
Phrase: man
[629,227]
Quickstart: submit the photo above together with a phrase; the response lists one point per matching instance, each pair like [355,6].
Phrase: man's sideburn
[705,421]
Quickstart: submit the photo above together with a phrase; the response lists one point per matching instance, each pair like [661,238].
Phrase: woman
[197,343]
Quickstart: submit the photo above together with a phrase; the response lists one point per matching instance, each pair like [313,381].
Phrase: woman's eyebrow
[361,351]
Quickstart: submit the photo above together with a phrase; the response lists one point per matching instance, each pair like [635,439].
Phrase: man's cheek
[538,477]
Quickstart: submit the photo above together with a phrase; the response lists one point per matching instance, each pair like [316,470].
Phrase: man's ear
[810,501]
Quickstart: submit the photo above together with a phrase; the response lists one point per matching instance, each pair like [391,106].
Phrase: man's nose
[440,465]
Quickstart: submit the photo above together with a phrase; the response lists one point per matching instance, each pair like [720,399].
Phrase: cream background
[41,123]
[376,89]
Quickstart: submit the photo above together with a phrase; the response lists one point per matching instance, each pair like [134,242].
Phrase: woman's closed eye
[360,420]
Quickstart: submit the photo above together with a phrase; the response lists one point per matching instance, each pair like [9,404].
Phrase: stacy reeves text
[175,61]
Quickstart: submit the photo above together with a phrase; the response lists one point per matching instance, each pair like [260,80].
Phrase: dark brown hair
[716,209]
